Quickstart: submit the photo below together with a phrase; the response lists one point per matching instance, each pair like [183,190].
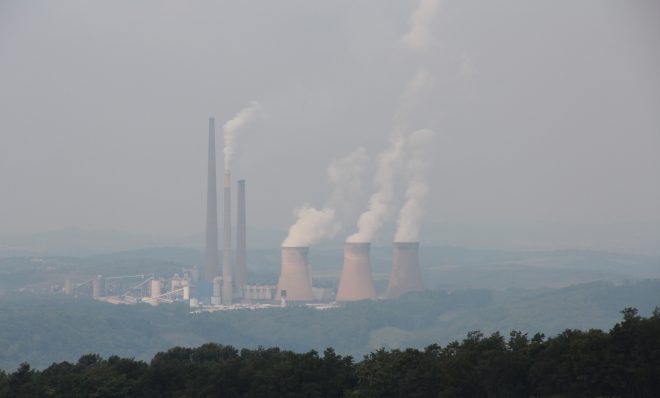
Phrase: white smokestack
[412,210]
[312,224]
[232,127]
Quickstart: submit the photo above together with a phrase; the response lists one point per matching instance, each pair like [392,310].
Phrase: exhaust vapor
[312,224]
[411,213]
[419,37]
[390,162]
[233,126]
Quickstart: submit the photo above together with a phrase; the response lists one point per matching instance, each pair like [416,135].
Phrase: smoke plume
[312,224]
[380,202]
[233,126]
[391,161]
[411,213]
[420,35]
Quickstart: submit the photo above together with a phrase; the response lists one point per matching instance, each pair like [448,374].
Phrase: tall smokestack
[241,254]
[294,276]
[227,292]
[406,276]
[211,257]
[356,282]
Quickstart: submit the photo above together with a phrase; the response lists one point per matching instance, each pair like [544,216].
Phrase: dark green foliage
[622,363]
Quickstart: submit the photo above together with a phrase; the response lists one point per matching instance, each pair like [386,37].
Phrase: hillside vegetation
[624,362]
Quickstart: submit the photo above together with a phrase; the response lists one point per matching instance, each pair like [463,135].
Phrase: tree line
[624,362]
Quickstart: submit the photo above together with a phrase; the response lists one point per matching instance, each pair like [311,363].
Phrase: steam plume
[390,162]
[232,127]
[312,224]
[412,210]
[419,36]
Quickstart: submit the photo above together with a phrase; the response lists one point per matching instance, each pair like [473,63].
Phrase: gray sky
[545,111]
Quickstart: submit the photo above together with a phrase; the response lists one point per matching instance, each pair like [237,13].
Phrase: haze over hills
[635,238]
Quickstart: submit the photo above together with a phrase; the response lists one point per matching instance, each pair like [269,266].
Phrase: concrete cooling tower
[295,278]
[356,282]
[406,276]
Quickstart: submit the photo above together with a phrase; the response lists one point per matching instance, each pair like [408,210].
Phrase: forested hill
[622,363]
[42,329]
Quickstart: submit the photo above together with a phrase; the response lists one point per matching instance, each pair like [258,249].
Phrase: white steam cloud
[411,213]
[380,201]
[420,35]
[233,126]
[390,162]
[312,224]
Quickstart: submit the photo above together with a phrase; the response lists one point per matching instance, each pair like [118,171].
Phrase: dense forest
[624,362]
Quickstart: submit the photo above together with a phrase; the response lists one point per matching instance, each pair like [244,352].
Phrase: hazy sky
[544,110]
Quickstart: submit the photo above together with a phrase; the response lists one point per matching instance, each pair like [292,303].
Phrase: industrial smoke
[233,126]
[411,213]
[419,36]
[312,224]
[392,159]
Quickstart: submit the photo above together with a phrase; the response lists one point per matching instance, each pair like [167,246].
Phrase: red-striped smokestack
[406,276]
[241,251]
[227,292]
[356,282]
[295,278]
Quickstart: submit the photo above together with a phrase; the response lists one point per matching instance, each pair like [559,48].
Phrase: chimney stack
[406,276]
[241,251]
[227,292]
[211,256]
[295,278]
[356,282]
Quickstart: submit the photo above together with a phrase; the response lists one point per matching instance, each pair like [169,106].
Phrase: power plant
[221,290]
[356,282]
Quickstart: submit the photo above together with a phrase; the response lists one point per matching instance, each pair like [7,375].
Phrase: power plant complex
[223,286]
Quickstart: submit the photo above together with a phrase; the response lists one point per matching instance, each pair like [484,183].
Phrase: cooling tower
[98,287]
[241,255]
[356,282]
[211,256]
[406,276]
[227,292]
[295,277]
